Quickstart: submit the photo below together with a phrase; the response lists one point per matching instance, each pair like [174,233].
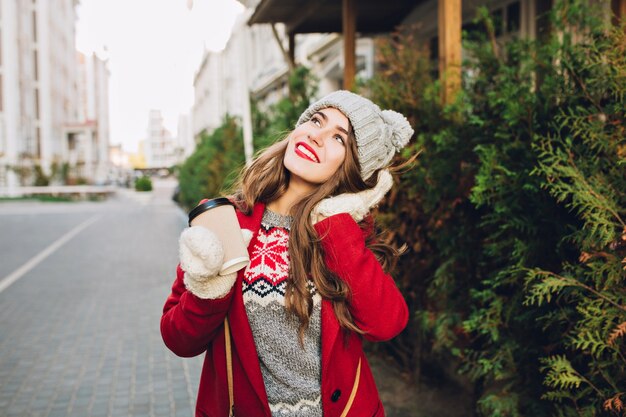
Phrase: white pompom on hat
[379,133]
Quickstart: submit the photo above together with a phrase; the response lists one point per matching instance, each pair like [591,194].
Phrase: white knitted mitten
[201,257]
[356,204]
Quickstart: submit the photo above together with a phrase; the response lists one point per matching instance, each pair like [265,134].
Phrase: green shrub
[64,172]
[143,183]
[514,216]
[41,179]
[213,166]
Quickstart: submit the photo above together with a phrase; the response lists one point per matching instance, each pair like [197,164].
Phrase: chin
[302,177]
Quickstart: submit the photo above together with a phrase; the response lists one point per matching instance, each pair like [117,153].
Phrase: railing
[58,190]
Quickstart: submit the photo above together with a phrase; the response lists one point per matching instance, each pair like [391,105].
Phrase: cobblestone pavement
[79,329]
[79,324]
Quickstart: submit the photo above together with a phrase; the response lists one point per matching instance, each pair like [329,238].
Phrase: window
[498,17]
[71,141]
[35,65]
[472,31]
[506,21]
[34,25]
[37,103]
[513,17]
[434,48]
[38,144]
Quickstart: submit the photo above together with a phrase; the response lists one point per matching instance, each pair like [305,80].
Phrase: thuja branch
[607,379]
[593,192]
[575,283]
[598,391]
[582,85]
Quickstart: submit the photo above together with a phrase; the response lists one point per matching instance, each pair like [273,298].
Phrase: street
[79,322]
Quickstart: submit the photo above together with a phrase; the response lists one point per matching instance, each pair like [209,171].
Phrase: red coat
[191,326]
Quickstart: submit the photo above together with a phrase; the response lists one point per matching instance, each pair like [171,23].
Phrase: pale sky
[154,49]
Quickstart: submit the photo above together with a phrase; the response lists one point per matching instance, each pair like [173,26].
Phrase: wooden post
[349,43]
[292,48]
[286,54]
[618,7]
[449,48]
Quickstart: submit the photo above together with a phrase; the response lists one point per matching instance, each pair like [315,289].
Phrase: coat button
[335,396]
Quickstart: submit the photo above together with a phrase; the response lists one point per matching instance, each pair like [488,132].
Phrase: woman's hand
[356,204]
[201,252]
[201,257]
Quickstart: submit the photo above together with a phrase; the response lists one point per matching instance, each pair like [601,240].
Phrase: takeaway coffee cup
[218,215]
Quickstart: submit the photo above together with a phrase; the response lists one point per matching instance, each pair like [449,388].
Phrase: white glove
[201,257]
[356,204]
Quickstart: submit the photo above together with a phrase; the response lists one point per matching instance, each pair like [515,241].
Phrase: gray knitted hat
[379,133]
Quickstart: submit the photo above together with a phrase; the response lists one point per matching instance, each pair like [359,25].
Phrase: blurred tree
[213,165]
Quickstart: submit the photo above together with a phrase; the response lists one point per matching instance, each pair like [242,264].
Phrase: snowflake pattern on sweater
[268,270]
[291,373]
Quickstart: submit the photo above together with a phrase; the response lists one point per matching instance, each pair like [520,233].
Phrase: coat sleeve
[189,323]
[376,304]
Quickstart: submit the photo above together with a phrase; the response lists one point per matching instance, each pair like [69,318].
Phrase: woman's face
[317,148]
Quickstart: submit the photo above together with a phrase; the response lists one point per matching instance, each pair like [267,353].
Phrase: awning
[320,16]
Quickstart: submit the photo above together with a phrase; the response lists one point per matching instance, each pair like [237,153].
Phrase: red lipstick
[303,150]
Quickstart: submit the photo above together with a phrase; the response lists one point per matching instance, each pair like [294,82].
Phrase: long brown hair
[264,181]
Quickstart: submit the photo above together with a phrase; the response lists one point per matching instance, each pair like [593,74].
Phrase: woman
[313,289]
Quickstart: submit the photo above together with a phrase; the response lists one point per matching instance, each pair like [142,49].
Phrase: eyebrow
[341,129]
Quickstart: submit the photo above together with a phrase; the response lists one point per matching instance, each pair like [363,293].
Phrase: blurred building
[38,84]
[208,106]
[325,58]
[120,166]
[160,147]
[184,135]
[255,65]
[88,138]
[138,159]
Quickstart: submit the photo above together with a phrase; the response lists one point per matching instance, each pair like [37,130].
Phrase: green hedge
[515,217]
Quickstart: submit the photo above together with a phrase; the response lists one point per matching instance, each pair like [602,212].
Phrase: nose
[316,138]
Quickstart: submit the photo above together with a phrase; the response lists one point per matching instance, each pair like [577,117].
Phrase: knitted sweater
[291,373]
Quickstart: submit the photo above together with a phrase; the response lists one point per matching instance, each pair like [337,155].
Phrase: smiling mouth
[304,151]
